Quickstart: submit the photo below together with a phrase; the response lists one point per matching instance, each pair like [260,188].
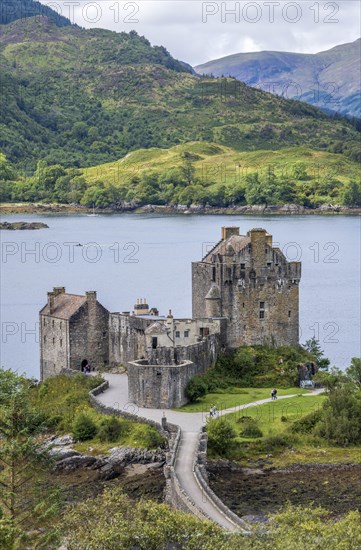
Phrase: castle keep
[244,292]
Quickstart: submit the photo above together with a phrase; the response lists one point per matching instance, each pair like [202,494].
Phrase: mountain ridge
[327,79]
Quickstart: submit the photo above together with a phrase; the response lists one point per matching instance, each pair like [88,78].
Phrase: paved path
[191,423]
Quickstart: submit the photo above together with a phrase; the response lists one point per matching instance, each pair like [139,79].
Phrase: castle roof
[236,242]
[65,305]
[214,292]
[156,328]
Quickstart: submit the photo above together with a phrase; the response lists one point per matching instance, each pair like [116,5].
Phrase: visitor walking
[274,394]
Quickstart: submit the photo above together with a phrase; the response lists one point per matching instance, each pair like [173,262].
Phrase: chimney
[51,302]
[91,296]
[58,290]
[258,242]
[229,231]
[141,307]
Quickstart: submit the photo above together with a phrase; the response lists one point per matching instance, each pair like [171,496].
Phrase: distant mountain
[329,80]
[12,10]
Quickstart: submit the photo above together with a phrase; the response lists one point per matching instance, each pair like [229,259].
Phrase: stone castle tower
[247,281]
[73,330]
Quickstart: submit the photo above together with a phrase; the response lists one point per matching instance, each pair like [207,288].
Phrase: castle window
[61,343]
[214,274]
[261,310]
[154,342]
[61,324]
[52,323]
[265,250]
[177,334]
[269,264]
[242,304]
[289,313]
[186,333]
[53,341]
[44,339]
[243,266]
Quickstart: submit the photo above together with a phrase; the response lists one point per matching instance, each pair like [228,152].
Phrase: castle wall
[54,346]
[203,354]
[159,386]
[126,338]
[88,336]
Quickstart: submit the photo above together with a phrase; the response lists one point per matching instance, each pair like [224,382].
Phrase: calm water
[149,256]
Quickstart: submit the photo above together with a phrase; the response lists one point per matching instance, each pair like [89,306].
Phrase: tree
[352,194]
[187,169]
[354,371]
[80,130]
[221,435]
[25,501]
[313,346]
[196,388]
[341,417]
[257,191]
[299,171]
[7,172]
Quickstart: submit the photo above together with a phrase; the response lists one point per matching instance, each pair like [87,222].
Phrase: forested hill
[11,10]
[84,97]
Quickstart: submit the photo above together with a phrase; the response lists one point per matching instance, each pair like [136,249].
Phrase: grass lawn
[233,397]
[269,415]
[300,448]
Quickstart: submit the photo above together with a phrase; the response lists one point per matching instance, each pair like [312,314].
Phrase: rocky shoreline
[23,226]
[253,493]
[133,207]
[67,459]
[250,492]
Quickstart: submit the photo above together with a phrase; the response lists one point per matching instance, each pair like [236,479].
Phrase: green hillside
[86,97]
[220,164]
[194,173]
[205,173]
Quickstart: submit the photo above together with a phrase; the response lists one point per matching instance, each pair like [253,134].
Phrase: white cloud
[197,31]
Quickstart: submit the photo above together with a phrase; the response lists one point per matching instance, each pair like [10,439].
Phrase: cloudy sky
[197,31]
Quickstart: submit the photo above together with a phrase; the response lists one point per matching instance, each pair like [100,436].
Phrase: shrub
[341,418]
[277,442]
[306,424]
[250,427]
[54,421]
[221,435]
[111,429]
[84,428]
[152,439]
[196,388]
[284,418]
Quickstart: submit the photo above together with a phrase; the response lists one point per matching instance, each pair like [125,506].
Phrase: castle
[244,292]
